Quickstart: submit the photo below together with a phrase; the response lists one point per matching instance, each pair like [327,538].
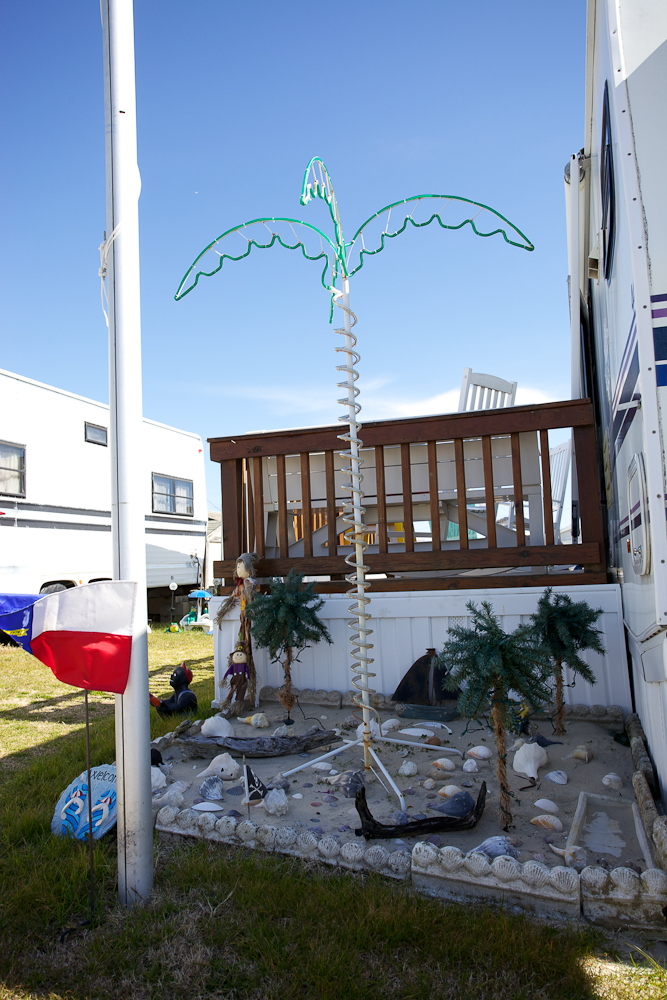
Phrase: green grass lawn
[226,923]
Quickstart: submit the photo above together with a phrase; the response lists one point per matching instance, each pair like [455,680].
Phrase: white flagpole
[135,827]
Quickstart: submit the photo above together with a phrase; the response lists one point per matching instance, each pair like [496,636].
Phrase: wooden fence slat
[305,505]
[406,478]
[250,518]
[488,493]
[283,545]
[547,499]
[433,495]
[518,491]
[588,554]
[331,503]
[231,481]
[461,493]
[259,507]
[382,498]
[588,483]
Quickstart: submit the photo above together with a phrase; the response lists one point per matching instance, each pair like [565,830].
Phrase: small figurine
[245,587]
[238,676]
[182,700]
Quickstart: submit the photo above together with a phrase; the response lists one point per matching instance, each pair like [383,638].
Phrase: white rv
[617,235]
[55,494]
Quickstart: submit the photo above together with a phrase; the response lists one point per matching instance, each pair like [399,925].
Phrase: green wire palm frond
[336,252]
[564,628]
[287,618]
[483,656]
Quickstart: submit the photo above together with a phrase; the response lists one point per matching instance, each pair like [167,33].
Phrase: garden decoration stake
[564,628]
[340,261]
[285,622]
[489,663]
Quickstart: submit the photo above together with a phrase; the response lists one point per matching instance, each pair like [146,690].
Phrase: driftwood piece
[371,829]
[255,746]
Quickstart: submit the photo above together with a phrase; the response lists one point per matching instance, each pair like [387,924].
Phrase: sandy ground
[334,814]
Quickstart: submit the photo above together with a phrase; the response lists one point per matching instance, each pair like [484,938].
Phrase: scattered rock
[408,768]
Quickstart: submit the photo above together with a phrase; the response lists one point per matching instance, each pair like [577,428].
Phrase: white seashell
[376,857]
[266,836]
[158,779]
[424,855]
[479,753]
[224,766]
[506,869]
[352,852]
[217,725]
[173,796]
[328,847]
[470,765]
[581,753]
[448,790]
[285,837]
[212,788]
[306,843]
[595,880]
[614,781]
[575,857]
[558,777]
[246,831]
[546,822]
[564,879]
[281,731]
[187,819]
[416,732]
[546,806]
[517,745]
[399,862]
[297,795]
[429,784]
[275,802]
[375,729]
[535,874]
[654,882]
[333,771]
[389,725]
[477,864]
[208,807]
[528,759]
[443,764]
[321,766]
[167,815]
[206,823]
[226,826]
[450,858]
[625,882]
[408,768]
[258,720]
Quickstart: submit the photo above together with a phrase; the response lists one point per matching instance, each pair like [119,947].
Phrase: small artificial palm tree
[563,627]
[285,622]
[488,663]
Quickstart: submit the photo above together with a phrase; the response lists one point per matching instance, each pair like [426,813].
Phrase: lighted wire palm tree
[340,261]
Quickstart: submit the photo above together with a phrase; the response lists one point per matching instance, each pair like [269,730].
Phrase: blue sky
[479,99]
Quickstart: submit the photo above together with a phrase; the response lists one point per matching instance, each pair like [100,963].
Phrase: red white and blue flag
[83,634]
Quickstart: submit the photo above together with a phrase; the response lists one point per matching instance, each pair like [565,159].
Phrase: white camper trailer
[55,494]
[617,237]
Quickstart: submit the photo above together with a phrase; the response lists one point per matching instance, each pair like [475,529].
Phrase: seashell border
[619,898]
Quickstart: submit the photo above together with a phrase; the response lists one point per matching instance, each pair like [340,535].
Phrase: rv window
[12,469]
[607,188]
[171,496]
[96,434]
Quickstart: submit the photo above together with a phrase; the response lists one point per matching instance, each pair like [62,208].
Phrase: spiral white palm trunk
[353,516]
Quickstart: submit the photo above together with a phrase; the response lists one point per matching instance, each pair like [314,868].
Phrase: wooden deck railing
[454,501]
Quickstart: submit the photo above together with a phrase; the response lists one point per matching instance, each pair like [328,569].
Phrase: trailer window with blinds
[12,469]
[172,496]
[96,434]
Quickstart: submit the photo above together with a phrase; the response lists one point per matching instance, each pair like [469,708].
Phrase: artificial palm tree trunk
[504,813]
[558,720]
[286,694]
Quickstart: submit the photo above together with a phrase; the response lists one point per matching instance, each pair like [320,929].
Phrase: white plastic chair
[485,392]
[559,462]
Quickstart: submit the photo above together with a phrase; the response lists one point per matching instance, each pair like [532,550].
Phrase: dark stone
[466,784]
[315,804]
[234,813]
[408,791]
[307,784]
[414,816]
[431,795]
[548,840]
[399,818]
[317,829]
[542,741]
[342,829]
[435,840]
[197,800]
